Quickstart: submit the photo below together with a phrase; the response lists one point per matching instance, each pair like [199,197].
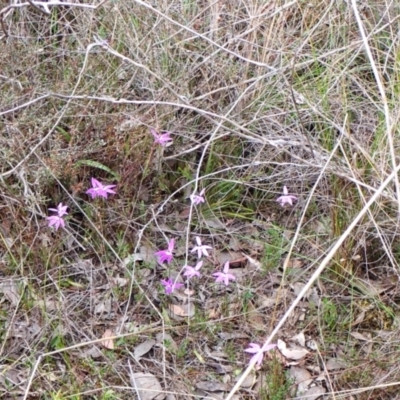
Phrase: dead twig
[41,6]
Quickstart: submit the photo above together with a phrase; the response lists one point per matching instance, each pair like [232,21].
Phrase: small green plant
[274,248]
[246,296]
[109,395]
[182,350]
[123,248]
[329,314]
[277,382]
[231,351]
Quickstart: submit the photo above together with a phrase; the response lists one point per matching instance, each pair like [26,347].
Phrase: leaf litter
[143,348]
[147,386]
[10,291]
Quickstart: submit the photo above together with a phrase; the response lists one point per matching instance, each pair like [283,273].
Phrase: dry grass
[258,95]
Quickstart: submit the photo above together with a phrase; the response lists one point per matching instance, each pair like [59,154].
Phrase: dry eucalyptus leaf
[145,254]
[133,258]
[120,282]
[360,318]
[238,273]
[300,338]
[217,355]
[213,313]
[11,377]
[335,363]
[9,241]
[214,386]
[215,223]
[108,344]
[254,264]
[249,381]
[254,317]
[103,307]
[295,263]
[294,353]
[313,393]
[143,348]
[315,297]
[184,310]
[312,344]
[215,396]
[147,386]
[220,368]
[267,302]
[189,292]
[49,305]
[360,336]
[301,377]
[93,352]
[10,291]
[298,287]
[224,256]
[167,341]
[234,244]
[233,335]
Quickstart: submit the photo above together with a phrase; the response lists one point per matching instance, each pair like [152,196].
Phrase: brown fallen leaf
[295,353]
[103,307]
[212,386]
[92,351]
[300,338]
[360,336]
[10,291]
[143,348]
[335,363]
[254,317]
[108,344]
[213,313]
[301,377]
[184,310]
[249,381]
[295,263]
[147,386]
[313,393]
[253,263]
[166,340]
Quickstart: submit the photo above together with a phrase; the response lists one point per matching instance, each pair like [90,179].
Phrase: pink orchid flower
[162,139]
[258,352]
[166,255]
[57,220]
[190,271]
[170,285]
[286,198]
[201,249]
[196,199]
[224,276]
[100,190]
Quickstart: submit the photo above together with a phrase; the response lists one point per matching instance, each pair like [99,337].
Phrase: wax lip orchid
[286,198]
[57,220]
[166,255]
[170,285]
[224,276]
[100,190]
[162,139]
[258,352]
[190,271]
[196,199]
[201,249]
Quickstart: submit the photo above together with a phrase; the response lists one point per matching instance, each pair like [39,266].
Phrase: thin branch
[388,119]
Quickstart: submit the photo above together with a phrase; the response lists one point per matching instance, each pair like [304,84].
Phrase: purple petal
[171,245]
[226,267]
